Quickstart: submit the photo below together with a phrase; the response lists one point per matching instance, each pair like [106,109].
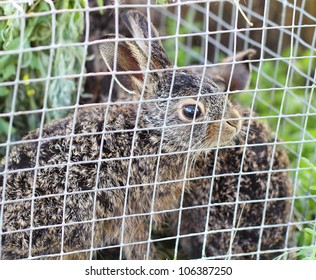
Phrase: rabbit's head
[189,109]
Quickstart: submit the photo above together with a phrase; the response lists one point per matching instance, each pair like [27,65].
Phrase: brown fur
[253,186]
[110,186]
[66,183]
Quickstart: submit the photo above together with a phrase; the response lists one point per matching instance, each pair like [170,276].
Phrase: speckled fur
[252,187]
[257,160]
[75,185]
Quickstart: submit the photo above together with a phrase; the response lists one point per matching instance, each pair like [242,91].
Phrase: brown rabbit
[233,203]
[88,181]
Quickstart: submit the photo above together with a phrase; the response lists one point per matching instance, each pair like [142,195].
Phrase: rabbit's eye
[190,110]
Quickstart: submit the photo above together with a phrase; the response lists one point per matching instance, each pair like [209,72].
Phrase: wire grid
[225,37]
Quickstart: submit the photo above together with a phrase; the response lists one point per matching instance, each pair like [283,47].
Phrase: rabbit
[223,238]
[70,187]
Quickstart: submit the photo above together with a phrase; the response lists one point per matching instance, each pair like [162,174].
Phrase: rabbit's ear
[1,176]
[142,30]
[128,58]
[242,70]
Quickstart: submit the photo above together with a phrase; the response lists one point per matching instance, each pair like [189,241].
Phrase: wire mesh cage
[157,129]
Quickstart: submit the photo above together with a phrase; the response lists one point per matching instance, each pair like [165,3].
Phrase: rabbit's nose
[234,119]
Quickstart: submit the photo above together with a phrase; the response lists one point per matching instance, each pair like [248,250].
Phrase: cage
[113,169]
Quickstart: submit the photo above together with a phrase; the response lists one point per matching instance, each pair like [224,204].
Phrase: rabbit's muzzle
[227,128]
[234,120]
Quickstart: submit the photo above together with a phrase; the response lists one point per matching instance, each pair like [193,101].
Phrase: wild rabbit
[71,187]
[235,199]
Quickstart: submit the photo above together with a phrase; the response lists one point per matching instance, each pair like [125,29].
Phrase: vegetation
[308,253]
[184,56]
[283,92]
[34,71]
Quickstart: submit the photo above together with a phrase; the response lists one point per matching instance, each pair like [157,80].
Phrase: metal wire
[226,37]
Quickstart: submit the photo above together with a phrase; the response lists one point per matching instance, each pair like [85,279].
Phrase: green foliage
[35,63]
[282,94]
[162,2]
[308,253]
[184,57]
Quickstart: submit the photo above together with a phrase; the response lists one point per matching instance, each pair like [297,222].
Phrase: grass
[310,252]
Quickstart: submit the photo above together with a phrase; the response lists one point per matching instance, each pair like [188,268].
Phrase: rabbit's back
[59,191]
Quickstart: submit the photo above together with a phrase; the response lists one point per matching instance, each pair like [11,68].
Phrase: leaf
[303,252]
[4,127]
[9,71]
[310,231]
[12,45]
[4,60]
[312,132]
[83,3]
[31,24]
[4,91]
[307,163]
[162,2]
